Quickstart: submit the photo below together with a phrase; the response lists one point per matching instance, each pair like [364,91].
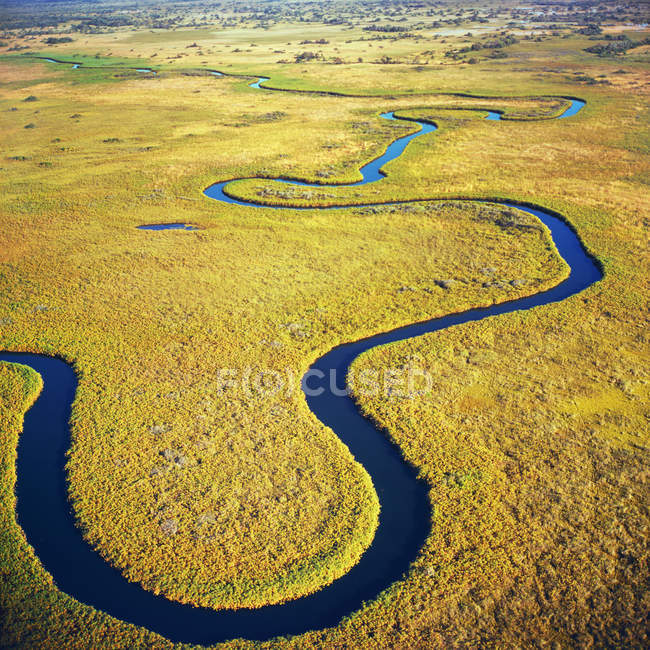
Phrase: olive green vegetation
[533,439]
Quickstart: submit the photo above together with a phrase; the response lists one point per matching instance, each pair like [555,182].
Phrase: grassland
[534,439]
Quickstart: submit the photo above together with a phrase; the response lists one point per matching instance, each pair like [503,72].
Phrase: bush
[53,40]
[618,45]
[591,30]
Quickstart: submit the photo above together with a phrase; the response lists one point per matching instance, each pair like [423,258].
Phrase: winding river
[44,512]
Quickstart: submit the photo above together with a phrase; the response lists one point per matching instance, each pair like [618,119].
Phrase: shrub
[53,40]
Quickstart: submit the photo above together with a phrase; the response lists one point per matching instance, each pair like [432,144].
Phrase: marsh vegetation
[534,441]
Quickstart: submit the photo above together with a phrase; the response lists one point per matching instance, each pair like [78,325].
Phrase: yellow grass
[534,439]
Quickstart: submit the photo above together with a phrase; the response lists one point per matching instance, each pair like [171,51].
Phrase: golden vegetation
[534,439]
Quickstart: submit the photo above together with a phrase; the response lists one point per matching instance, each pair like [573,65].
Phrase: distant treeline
[618,44]
[385,28]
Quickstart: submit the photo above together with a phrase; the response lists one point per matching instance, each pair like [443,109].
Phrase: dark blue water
[167,226]
[43,510]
